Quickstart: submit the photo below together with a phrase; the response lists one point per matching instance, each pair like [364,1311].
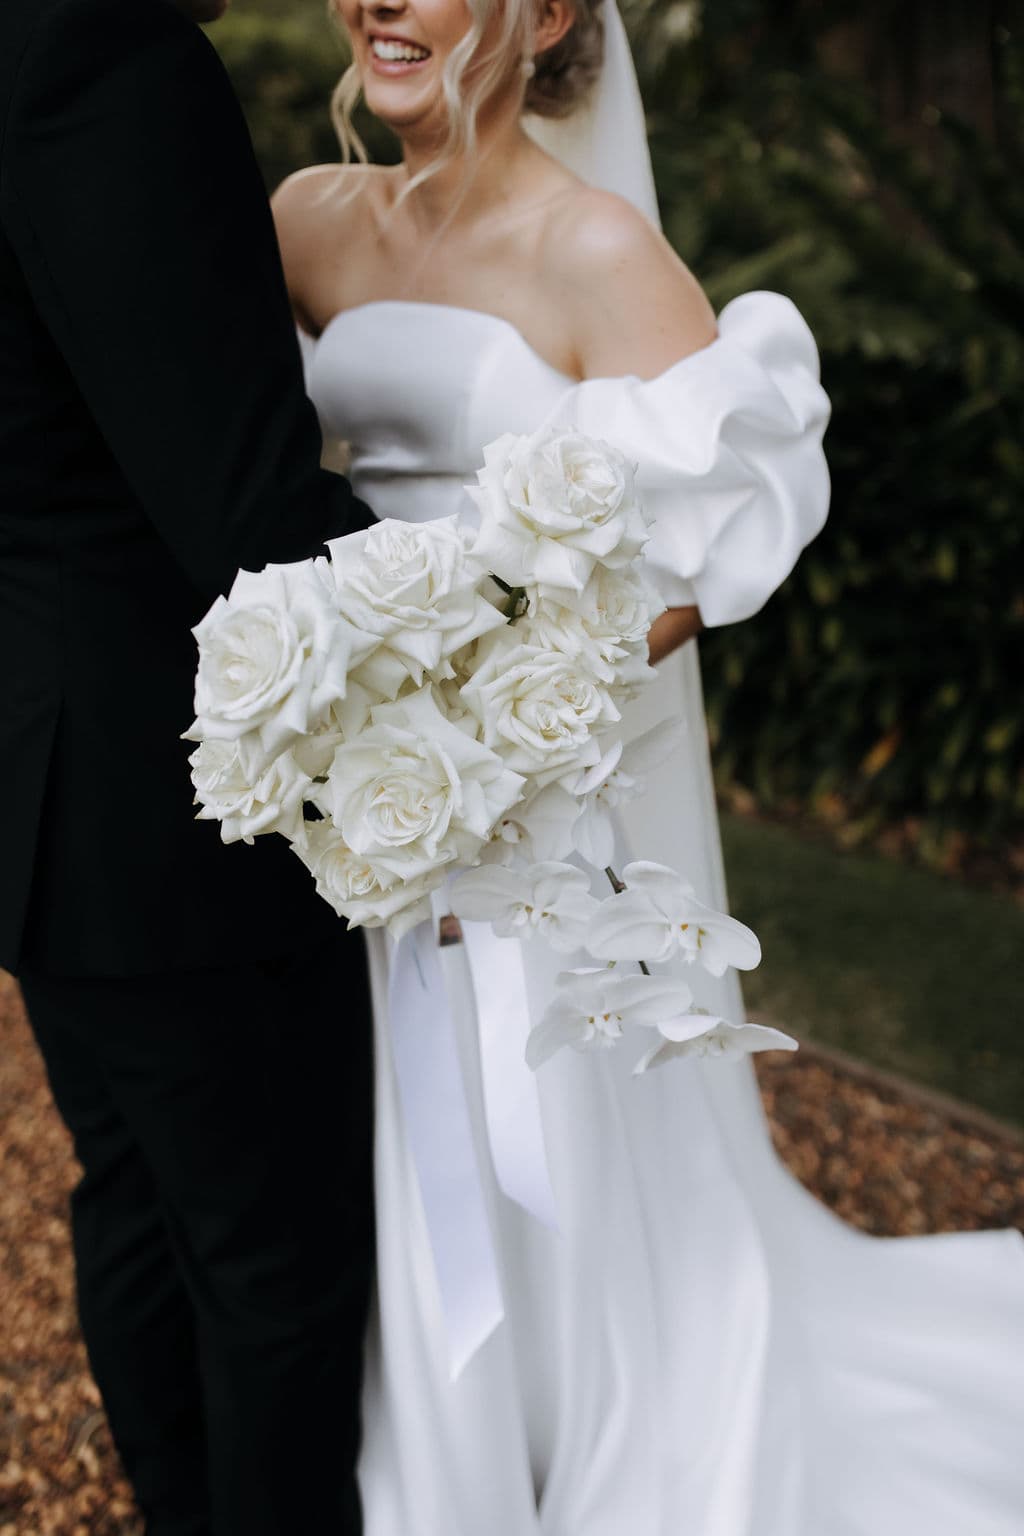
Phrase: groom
[204,1019]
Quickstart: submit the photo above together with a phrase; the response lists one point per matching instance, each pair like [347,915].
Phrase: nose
[383,10]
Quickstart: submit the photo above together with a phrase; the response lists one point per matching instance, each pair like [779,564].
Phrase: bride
[698,1347]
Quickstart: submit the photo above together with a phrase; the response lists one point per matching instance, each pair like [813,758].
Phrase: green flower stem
[516,597]
[515,607]
[618,887]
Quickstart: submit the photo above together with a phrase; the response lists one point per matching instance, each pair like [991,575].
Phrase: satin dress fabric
[702,1349]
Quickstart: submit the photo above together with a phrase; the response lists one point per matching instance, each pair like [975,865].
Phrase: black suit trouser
[223,1230]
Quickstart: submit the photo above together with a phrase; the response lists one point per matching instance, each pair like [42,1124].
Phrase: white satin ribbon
[511,1102]
[438,1124]
[441,1141]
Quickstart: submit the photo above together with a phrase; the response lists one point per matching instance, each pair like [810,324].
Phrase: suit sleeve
[135,206]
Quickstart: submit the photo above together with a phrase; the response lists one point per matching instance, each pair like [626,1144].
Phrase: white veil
[604,142]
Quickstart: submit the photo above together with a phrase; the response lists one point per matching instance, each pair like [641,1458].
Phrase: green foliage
[885,675]
[285,70]
[867,955]
[887,672]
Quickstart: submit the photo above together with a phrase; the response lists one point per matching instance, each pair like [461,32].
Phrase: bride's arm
[673,629]
[634,308]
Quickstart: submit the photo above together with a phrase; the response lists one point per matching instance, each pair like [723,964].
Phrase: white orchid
[593,1007]
[552,900]
[616,780]
[537,830]
[658,917]
[702,1034]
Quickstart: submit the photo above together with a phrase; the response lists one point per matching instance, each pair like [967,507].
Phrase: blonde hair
[562,77]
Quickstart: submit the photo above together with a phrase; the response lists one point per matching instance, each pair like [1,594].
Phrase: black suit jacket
[154,436]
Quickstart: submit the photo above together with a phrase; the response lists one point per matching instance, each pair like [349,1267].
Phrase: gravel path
[888,1160]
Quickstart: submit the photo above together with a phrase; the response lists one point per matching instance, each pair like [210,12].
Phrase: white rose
[552,506]
[314,753]
[358,890]
[414,792]
[245,809]
[414,588]
[618,607]
[551,627]
[607,624]
[538,708]
[273,657]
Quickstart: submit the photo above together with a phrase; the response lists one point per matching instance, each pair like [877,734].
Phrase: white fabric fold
[440,1137]
[511,1104]
[729,448]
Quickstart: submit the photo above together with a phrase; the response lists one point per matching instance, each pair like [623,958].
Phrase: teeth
[395,53]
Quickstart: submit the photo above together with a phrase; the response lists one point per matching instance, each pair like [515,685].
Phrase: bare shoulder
[636,307]
[598,225]
[319,212]
[321,193]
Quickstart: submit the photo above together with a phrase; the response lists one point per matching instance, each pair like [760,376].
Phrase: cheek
[345,15]
[444,22]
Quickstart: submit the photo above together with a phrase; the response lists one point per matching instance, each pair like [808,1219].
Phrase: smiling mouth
[389,51]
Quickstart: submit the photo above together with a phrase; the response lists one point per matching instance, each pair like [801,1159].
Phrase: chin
[397,109]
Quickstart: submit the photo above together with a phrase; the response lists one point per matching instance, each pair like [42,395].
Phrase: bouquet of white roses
[434,700]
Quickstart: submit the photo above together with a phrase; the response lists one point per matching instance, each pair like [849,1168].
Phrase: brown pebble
[884,1161]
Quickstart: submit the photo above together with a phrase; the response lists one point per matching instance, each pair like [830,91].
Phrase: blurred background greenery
[867,159]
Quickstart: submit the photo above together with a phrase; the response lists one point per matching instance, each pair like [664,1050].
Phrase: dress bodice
[417,390]
[727,442]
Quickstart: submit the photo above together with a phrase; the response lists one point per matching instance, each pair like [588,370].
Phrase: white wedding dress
[702,1349]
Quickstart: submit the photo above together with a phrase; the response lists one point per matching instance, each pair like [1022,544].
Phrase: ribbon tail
[436,1113]
[511,1101]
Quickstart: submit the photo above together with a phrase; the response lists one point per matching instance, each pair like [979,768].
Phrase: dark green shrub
[284,71]
[885,677]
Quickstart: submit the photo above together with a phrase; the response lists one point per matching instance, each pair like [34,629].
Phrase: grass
[898,966]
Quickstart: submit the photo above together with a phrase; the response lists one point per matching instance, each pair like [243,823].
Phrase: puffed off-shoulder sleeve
[728,447]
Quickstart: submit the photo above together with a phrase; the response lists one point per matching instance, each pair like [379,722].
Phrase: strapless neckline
[487,318]
[484,316]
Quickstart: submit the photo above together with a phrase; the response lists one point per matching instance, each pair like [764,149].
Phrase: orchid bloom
[592,1008]
[658,917]
[550,899]
[701,1034]
[618,778]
